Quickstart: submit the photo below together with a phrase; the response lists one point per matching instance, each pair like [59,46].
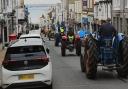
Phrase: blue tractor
[110,53]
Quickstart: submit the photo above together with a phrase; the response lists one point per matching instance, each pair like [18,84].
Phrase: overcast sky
[36,12]
[41,1]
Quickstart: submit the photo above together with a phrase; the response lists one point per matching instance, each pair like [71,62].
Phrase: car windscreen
[25,52]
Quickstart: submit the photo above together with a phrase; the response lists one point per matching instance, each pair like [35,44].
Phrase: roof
[27,42]
[32,35]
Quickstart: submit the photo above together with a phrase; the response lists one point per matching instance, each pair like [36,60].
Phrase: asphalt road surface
[67,74]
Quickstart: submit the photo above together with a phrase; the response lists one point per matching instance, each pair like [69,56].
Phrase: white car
[27,64]
[31,35]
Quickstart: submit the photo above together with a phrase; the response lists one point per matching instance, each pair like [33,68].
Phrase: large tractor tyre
[78,51]
[91,58]
[63,49]
[123,58]
[78,48]
[82,65]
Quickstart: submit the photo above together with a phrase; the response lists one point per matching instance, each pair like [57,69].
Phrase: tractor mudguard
[120,36]
[64,37]
[77,37]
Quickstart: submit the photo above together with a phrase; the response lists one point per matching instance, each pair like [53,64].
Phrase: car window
[25,52]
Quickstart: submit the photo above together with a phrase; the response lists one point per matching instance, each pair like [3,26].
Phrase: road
[67,74]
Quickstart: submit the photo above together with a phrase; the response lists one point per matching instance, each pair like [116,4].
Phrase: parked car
[32,35]
[27,64]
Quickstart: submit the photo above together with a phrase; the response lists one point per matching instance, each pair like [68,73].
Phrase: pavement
[2,53]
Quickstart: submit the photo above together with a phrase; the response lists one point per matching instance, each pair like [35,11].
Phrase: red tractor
[70,42]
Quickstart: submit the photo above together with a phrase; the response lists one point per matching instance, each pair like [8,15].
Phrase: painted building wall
[0,6]
[78,10]
[102,10]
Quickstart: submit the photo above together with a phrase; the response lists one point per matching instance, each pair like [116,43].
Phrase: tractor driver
[71,35]
[62,31]
[107,29]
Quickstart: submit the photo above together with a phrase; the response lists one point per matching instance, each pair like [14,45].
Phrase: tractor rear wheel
[82,64]
[63,49]
[91,58]
[123,58]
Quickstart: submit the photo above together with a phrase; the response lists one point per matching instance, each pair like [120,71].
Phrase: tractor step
[109,67]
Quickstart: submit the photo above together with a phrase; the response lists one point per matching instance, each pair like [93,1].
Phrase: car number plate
[26,77]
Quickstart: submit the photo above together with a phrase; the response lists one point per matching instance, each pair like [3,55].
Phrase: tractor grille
[107,55]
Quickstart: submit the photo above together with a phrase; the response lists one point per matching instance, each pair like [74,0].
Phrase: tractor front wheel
[123,58]
[63,49]
[78,48]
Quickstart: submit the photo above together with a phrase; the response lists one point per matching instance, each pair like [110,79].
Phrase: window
[126,3]
[7,2]
[25,52]
[4,4]
[25,49]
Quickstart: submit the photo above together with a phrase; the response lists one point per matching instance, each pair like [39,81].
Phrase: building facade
[78,10]
[10,17]
[102,10]
[120,16]
[90,13]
